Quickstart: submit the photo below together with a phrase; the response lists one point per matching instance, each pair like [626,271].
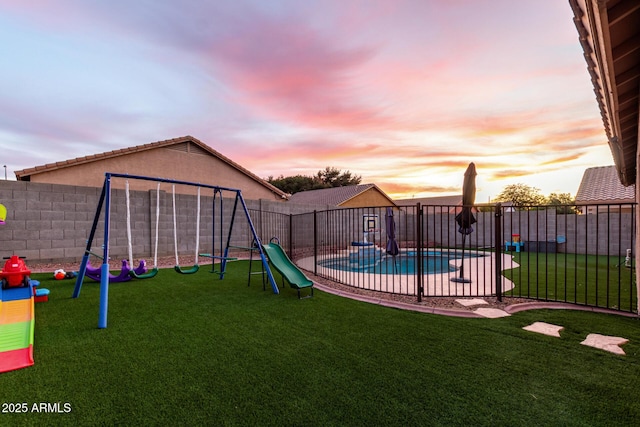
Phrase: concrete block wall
[608,234]
[46,221]
[534,225]
[51,222]
[598,234]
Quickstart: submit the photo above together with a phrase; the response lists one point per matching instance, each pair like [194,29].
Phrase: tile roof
[602,185]
[22,174]
[609,32]
[334,196]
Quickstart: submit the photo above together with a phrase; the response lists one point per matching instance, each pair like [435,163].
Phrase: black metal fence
[542,252]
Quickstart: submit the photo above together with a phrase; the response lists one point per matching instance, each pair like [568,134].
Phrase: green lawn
[584,279]
[193,350]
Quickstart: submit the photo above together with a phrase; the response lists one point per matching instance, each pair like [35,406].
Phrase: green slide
[279,259]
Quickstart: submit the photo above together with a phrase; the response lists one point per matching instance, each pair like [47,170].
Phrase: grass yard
[194,350]
[584,279]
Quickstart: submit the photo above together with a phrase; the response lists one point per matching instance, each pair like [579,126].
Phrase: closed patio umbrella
[465,218]
[392,244]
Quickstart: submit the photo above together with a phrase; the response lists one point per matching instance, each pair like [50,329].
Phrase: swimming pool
[376,261]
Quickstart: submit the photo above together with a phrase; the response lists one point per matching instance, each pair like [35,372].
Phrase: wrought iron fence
[547,253]
[585,259]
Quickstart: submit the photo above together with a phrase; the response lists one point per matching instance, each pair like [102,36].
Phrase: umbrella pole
[461,279]
[464,237]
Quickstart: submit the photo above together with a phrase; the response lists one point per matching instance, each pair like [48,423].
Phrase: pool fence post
[291,234]
[419,274]
[315,242]
[498,250]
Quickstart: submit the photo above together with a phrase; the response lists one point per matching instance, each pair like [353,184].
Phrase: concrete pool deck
[477,269]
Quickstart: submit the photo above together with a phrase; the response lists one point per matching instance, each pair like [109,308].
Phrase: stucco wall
[371,197]
[165,162]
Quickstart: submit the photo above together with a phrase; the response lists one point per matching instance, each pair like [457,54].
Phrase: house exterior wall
[637,231]
[371,197]
[164,162]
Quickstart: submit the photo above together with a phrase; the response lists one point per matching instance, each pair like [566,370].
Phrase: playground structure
[223,256]
[126,272]
[141,272]
[287,269]
[18,294]
[15,273]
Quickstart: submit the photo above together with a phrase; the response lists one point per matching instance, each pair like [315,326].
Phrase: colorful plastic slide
[16,328]
[279,259]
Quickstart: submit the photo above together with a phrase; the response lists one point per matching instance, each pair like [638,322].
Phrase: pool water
[375,261]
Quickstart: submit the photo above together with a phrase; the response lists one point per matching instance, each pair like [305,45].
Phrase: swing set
[177,267]
[105,200]
[150,273]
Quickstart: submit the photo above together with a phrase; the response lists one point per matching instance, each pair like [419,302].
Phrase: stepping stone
[605,342]
[544,328]
[472,301]
[492,313]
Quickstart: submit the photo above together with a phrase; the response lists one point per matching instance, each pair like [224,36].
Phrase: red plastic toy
[15,273]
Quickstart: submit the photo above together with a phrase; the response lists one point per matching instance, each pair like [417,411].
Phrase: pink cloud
[414,88]
[292,72]
[314,154]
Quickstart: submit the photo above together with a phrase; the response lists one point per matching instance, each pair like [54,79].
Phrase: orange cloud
[509,173]
[409,190]
[560,160]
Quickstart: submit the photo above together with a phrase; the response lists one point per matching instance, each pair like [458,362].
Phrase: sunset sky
[402,93]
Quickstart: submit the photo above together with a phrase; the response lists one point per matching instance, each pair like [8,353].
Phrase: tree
[561,199]
[565,204]
[332,177]
[327,178]
[294,184]
[522,196]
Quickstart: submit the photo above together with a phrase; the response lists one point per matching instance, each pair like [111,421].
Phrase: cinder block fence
[51,223]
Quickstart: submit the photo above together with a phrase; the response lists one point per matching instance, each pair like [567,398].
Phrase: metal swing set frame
[105,200]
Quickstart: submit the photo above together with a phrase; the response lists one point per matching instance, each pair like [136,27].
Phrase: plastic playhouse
[18,294]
